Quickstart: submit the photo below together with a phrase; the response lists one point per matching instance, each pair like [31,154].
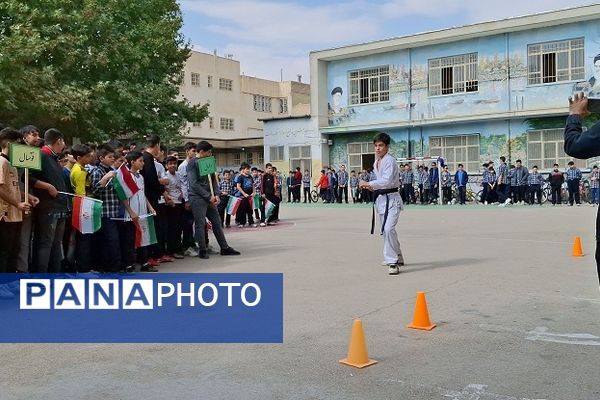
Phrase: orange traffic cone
[421,316]
[577,250]
[357,350]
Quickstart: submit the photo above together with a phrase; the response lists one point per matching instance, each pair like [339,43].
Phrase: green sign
[23,156]
[207,165]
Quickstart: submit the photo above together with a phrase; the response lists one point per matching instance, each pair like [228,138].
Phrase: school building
[469,94]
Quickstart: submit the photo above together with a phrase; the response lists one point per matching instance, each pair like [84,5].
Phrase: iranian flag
[145,234]
[232,205]
[254,201]
[269,207]
[124,183]
[87,214]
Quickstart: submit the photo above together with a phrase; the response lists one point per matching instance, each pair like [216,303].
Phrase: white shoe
[393,270]
[240,226]
[190,252]
[263,224]
[508,201]
[485,202]
[254,226]
[502,205]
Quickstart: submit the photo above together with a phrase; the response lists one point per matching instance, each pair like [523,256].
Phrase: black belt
[376,193]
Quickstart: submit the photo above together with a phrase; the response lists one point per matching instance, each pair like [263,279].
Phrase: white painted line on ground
[472,391]
[584,339]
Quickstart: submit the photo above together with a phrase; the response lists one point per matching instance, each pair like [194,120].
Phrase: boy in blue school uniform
[535,181]
[461,178]
[573,179]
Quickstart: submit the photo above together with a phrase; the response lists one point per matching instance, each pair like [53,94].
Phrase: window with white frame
[262,103]
[454,74]
[283,106]
[227,124]
[369,85]
[211,123]
[555,61]
[237,158]
[225,84]
[195,79]
[355,154]
[209,81]
[276,153]
[300,156]
[457,149]
[546,147]
[260,159]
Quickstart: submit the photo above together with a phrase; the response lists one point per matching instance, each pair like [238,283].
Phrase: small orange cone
[421,316]
[357,350]
[577,250]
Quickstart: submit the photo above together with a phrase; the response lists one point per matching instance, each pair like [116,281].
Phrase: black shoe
[129,269]
[148,268]
[230,251]
[203,255]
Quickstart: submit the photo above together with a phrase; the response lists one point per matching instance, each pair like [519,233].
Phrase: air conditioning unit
[323,141]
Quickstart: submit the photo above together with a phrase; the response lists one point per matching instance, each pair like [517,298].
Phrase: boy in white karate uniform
[388,201]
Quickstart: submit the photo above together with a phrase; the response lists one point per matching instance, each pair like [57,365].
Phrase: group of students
[36,234]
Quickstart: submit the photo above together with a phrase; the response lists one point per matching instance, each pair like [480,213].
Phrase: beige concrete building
[236,103]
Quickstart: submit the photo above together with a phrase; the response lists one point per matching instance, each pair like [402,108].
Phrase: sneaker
[190,253]
[148,268]
[227,226]
[393,270]
[263,224]
[166,259]
[178,256]
[254,226]
[230,251]
[203,255]
[153,262]
[240,226]
[129,269]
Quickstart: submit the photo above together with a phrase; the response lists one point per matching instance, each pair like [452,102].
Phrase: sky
[272,38]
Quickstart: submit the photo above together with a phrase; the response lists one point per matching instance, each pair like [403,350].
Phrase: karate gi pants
[391,246]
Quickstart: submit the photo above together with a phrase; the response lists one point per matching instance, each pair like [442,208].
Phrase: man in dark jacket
[51,212]
[556,179]
[204,203]
[583,145]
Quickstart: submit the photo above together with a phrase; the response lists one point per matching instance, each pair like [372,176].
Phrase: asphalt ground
[518,317]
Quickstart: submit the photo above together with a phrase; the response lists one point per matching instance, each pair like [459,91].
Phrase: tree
[95,69]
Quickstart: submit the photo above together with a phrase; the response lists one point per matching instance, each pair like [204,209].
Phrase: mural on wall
[338,151]
[337,113]
[591,87]
[498,58]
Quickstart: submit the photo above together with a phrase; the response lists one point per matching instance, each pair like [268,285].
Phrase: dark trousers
[535,190]
[501,190]
[433,194]
[83,251]
[244,212]
[174,219]
[366,195]
[225,218]
[275,214]
[515,194]
[297,189]
[48,237]
[10,236]
[343,194]
[556,195]
[203,211]
[307,196]
[523,193]
[462,194]
[110,239]
[447,194]
[188,229]
[289,193]
[598,242]
[409,193]
[573,186]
